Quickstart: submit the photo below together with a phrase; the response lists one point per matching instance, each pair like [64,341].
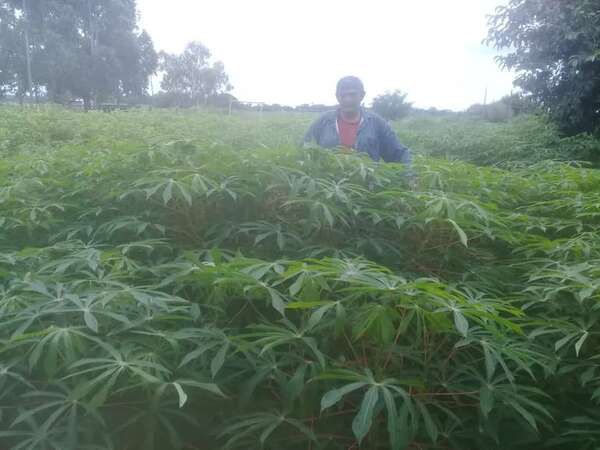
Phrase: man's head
[350,93]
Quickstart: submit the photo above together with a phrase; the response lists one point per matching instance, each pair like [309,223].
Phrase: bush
[525,139]
[504,109]
[226,290]
[392,105]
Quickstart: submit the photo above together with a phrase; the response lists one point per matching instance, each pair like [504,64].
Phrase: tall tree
[9,53]
[191,75]
[91,49]
[554,47]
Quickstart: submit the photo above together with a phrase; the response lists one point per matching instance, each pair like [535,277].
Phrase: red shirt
[348,131]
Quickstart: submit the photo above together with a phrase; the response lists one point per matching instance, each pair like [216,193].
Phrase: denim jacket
[375,137]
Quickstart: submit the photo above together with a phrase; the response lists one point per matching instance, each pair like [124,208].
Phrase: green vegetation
[63,50]
[392,105]
[525,139]
[189,280]
[553,49]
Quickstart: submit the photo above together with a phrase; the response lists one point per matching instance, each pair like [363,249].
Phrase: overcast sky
[293,52]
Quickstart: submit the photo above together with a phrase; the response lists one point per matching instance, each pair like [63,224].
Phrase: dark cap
[349,83]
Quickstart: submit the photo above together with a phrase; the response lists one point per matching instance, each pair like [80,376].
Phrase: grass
[179,279]
[523,139]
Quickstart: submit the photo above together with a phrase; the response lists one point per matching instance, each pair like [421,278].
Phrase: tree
[553,46]
[191,76]
[147,63]
[504,109]
[16,45]
[392,105]
[91,49]
[9,53]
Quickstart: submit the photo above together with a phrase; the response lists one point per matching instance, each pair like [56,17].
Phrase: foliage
[190,76]
[553,46]
[504,109]
[175,280]
[524,139]
[88,49]
[10,58]
[392,105]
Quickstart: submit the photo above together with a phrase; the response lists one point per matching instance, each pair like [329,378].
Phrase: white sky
[293,52]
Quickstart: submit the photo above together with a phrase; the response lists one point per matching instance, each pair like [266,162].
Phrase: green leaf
[461,323]
[561,342]
[198,184]
[297,285]
[328,216]
[430,426]
[316,316]
[90,321]
[580,342]
[461,234]
[393,422]
[168,192]
[363,420]
[490,361]
[145,375]
[186,195]
[197,353]
[312,344]
[294,386]
[219,359]
[486,400]
[306,305]
[195,312]
[182,395]
[100,398]
[335,395]
[210,387]
[267,432]
[524,413]
[277,301]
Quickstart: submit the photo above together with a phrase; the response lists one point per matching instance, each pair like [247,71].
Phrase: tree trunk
[27,48]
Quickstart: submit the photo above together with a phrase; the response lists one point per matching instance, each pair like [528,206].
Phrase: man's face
[350,99]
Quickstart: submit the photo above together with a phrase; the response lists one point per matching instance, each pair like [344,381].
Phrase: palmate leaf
[110,370]
[430,426]
[57,408]
[461,234]
[387,390]
[269,338]
[363,420]
[265,424]
[201,256]
[462,325]
[334,396]
[181,393]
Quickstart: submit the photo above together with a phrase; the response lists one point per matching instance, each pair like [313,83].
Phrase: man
[352,127]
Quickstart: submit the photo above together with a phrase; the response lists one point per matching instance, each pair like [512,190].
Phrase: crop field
[190,280]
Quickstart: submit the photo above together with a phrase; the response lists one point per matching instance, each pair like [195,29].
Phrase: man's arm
[393,150]
[312,135]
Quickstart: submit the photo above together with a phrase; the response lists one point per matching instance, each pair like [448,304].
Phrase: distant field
[192,280]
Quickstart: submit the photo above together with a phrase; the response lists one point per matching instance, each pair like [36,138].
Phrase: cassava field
[188,280]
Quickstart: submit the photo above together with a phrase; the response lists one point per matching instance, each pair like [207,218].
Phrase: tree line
[90,49]
[94,50]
